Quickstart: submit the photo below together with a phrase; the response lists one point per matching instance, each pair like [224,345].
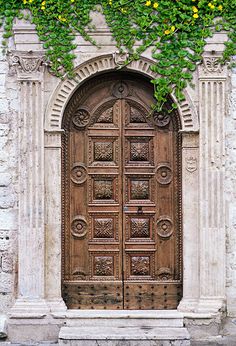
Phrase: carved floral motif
[106,116]
[212,64]
[78,173]
[140,265]
[103,266]
[139,189]
[79,227]
[136,116]
[103,151]
[140,228]
[103,228]
[139,151]
[81,118]
[103,189]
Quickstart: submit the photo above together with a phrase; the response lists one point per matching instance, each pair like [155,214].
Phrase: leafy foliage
[176,31]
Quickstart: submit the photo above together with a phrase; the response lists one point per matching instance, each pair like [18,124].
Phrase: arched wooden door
[121,199]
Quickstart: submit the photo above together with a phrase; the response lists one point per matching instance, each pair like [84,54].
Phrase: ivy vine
[176,31]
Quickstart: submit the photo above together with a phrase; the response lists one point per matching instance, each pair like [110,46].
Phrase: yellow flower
[220,7]
[195,10]
[167,32]
[155,5]
[211,6]
[110,2]
[148,3]
[43,3]
[173,28]
[195,15]
[43,7]
[62,19]
[123,10]
[24,2]
[72,0]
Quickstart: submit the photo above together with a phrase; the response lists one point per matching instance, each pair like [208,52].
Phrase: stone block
[4,129]
[6,282]
[7,262]
[8,219]
[5,240]
[5,179]
[7,197]
[3,105]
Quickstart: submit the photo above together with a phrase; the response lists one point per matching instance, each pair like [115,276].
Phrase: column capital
[29,66]
[211,68]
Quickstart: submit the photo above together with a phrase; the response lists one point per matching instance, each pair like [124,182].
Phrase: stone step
[123,336]
[131,318]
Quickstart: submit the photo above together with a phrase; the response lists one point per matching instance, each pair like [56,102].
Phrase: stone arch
[105,63]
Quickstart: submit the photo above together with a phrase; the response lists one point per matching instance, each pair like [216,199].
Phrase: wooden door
[121,199]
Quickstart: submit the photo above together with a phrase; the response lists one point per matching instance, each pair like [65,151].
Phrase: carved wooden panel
[121,199]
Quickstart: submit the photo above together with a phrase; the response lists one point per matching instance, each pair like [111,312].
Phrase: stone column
[212,104]
[190,181]
[31,262]
[53,220]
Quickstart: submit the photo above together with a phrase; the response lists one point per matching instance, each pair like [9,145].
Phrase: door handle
[140,210]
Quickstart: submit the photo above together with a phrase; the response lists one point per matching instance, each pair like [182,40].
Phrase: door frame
[198,296]
[189,128]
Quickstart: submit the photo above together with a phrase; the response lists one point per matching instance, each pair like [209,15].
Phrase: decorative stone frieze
[212,101]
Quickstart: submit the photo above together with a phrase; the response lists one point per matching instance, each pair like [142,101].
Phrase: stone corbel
[28,65]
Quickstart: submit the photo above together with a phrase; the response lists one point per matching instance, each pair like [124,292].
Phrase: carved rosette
[79,227]
[81,118]
[120,90]
[164,227]
[164,174]
[78,173]
[161,119]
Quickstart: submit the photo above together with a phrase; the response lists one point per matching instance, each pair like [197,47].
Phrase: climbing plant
[175,30]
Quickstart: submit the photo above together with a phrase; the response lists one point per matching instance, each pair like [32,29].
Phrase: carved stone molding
[28,66]
[105,63]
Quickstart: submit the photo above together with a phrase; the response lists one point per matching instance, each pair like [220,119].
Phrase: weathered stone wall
[10,126]
[230,190]
[8,184]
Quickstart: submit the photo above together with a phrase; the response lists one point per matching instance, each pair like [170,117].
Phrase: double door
[122,225]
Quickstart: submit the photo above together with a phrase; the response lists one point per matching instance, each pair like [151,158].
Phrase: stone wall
[8,184]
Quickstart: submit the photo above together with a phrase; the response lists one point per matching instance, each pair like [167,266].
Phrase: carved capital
[28,65]
[212,68]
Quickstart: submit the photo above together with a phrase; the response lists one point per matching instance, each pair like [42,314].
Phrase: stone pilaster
[53,220]
[212,104]
[190,173]
[30,294]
